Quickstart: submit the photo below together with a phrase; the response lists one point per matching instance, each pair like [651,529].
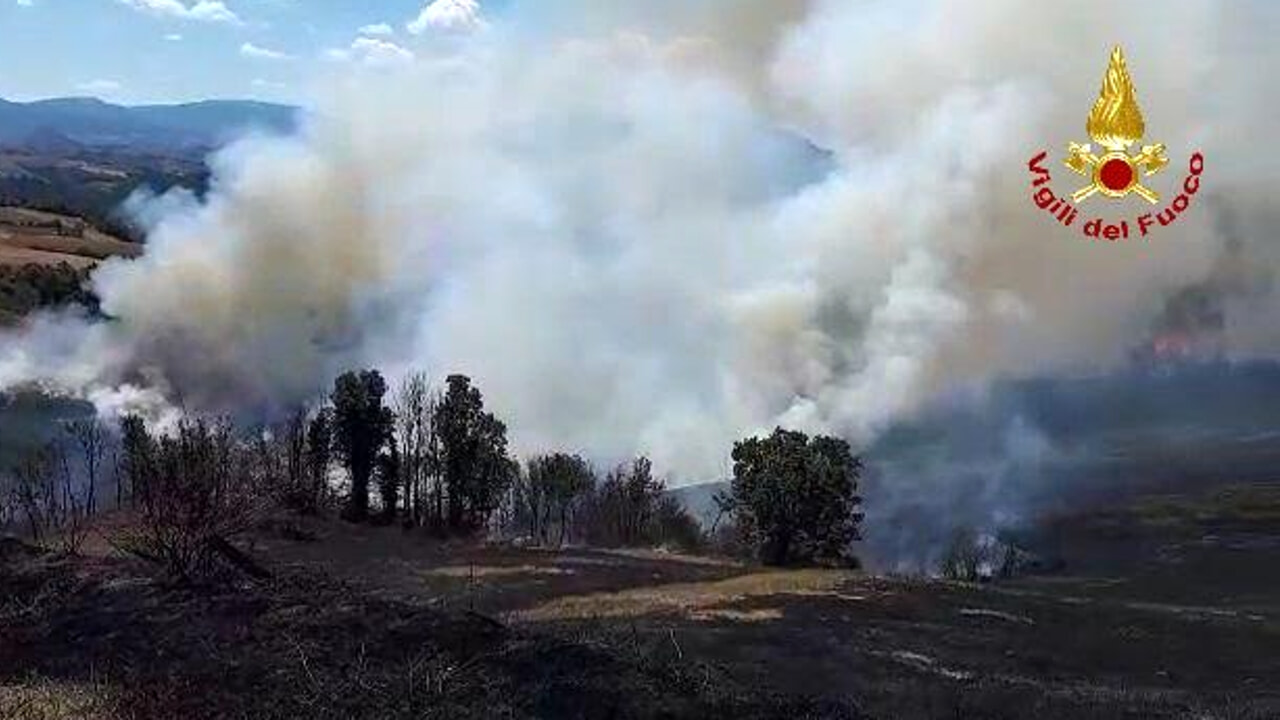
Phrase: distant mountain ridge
[93,123]
[699,499]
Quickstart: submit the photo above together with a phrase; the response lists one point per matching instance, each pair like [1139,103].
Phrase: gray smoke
[655,227]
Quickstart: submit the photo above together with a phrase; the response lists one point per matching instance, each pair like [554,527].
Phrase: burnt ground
[101,639]
[1166,608]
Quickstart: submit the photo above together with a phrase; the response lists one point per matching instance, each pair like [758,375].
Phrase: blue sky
[136,51]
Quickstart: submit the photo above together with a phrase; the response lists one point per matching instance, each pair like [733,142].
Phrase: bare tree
[413,409]
[73,520]
[90,438]
[43,490]
[34,493]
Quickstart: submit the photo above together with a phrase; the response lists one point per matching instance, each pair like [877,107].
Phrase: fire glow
[1062,210]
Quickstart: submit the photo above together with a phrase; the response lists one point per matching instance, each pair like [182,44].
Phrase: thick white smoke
[655,227]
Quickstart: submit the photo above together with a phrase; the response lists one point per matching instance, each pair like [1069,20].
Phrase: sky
[143,51]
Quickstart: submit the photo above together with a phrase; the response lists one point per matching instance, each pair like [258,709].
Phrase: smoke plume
[655,227]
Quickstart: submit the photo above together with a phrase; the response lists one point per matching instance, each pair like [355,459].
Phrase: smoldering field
[659,227]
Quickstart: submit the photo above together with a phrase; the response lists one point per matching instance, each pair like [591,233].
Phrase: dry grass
[41,699]
[464,572]
[691,598]
[738,616]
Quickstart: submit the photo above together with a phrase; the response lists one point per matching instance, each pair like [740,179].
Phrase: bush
[194,490]
[971,556]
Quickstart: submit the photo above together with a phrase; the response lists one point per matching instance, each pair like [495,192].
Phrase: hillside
[85,157]
[45,259]
[91,122]
[43,238]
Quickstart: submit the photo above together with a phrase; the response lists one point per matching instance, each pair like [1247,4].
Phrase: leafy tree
[475,466]
[26,288]
[319,446]
[553,485]
[293,438]
[139,455]
[389,482]
[796,497]
[673,525]
[631,508]
[361,427]
[623,506]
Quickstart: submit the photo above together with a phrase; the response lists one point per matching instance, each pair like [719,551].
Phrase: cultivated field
[35,237]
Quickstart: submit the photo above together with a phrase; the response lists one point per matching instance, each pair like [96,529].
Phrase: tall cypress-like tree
[361,427]
[473,448]
[319,450]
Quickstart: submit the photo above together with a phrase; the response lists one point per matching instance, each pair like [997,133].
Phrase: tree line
[29,287]
[424,458]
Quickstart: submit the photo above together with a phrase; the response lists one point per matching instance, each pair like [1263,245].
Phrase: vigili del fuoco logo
[1115,124]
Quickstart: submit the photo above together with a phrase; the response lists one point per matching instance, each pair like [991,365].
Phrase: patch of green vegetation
[1235,503]
[27,288]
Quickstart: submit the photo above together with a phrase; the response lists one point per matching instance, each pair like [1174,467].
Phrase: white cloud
[99,86]
[250,50]
[26,3]
[457,15]
[173,37]
[203,10]
[377,29]
[212,11]
[264,84]
[372,52]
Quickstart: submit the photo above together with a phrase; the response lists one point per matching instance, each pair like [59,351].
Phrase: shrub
[194,490]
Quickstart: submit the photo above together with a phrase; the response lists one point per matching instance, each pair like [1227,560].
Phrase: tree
[553,484]
[294,439]
[622,508]
[631,508]
[319,446]
[674,525]
[35,491]
[474,463]
[139,454]
[199,487]
[415,407]
[90,438]
[361,427]
[389,481]
[796,497]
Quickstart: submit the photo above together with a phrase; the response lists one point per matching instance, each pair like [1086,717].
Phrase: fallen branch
[237,558]
[490,621]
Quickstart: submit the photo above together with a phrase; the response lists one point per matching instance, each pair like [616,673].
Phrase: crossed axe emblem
[1115,173]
